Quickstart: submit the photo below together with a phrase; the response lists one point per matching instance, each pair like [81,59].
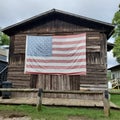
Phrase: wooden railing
[92,87]
[40,92]
[115,83]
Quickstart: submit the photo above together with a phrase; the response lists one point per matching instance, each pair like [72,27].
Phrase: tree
[4,39]
[116,35]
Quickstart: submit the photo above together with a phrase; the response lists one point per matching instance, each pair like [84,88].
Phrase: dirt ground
[28,118]
[15,118]
[8,115]
[78,118]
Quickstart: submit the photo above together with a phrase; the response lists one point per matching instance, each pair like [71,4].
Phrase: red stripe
[55,67]
[40,67]
[69,55]
[72,73]
[69,49]
[55,61]
[68,42]
[70,36]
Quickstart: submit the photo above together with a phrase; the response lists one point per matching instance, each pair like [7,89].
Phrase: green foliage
[115,99]
[4,39]
[116,35]
[116,22]
[116,49]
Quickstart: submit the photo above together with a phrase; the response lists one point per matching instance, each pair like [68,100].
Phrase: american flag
[56,54]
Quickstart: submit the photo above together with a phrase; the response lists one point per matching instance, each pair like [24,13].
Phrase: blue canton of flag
[39,46]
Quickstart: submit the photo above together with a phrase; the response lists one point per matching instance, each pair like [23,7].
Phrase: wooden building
[56,22]
[3,71]
[3,63]
[115,72]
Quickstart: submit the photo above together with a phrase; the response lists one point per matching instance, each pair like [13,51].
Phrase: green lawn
[62,113]
[115,99]
[59,113]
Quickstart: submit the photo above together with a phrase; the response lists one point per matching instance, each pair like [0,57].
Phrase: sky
[14,11]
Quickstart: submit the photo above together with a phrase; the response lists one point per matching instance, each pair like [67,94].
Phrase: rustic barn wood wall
[96,56]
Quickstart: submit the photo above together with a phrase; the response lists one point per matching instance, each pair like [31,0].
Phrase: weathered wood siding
[96,57]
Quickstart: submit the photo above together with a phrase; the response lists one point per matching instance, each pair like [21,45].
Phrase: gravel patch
[16,118]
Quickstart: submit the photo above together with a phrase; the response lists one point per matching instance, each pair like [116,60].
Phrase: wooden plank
[91,85]
[47,77]
[54,84]
[60,85]
[11,48]
[51,91]
[93,37]
[39,103]
[106,103]
[39,100]
[114,92]
[93,47]
[38,83]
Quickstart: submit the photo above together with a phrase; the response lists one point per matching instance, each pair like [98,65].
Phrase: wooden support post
[39,100]
[106,103]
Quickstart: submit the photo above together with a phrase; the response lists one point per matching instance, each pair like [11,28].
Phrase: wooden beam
[106,103]
[39,100]
[116,92]
[50,91]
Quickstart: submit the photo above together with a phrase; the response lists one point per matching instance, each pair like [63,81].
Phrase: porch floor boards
[56,101]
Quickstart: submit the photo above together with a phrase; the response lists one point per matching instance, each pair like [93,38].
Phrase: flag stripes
[67,55]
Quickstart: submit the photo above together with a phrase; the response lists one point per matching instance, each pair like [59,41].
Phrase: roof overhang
[107,26]
[109,46]
[114,67]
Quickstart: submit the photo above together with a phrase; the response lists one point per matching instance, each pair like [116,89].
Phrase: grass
[115,99]
[62,113]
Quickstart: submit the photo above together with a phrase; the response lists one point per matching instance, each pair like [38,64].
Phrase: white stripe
[58,58]
[63,71]
[69,39]
[55,71]
[57,64]
[68,52]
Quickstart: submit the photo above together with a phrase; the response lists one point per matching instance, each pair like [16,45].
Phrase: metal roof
[109,46]
[115,67]
[108,26]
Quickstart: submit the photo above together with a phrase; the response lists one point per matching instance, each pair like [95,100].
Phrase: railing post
[39,99]
[106,103]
